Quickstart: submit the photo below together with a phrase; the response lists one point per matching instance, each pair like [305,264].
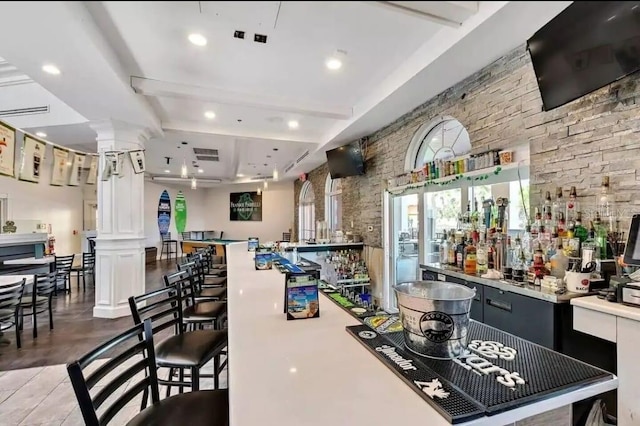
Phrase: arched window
[333,203]
[306,213]
[444,137]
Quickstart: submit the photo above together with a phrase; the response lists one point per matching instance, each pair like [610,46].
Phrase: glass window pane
[517,216]
[442,210]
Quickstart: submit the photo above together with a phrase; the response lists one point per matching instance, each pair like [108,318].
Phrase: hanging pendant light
[275,174]
[194,183]
[184,173]
[259,191]
[266,185]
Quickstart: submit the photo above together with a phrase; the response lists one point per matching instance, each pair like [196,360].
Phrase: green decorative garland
[453,179]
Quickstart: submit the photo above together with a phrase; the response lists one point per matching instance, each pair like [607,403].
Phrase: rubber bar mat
[499,372]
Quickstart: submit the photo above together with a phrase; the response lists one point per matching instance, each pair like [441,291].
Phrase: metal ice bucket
[435,317]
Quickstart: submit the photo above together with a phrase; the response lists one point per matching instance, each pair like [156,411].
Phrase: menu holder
[253,243]
[263,261]
[301,297]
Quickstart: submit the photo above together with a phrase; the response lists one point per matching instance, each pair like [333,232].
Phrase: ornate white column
[120,263]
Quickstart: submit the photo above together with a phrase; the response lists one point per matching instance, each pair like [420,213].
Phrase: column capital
[115,130]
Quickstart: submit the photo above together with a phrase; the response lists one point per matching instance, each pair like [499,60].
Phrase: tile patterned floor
[43,396]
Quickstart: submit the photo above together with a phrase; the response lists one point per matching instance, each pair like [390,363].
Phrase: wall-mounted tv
[588,45]
[345,161]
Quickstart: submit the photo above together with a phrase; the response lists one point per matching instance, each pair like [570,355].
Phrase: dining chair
[63,265]
[39,300]
[182,350]
[10,298]
[88,267]
[107,389]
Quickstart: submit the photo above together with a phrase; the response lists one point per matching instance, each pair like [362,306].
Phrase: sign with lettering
[164,213]
[302,297]
[245,206]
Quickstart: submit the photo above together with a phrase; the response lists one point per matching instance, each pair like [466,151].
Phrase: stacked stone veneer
[501,106]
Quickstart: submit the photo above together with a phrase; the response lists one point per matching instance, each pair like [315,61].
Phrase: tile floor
[43,396]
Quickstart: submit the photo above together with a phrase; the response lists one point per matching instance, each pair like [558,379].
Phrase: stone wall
[501,106]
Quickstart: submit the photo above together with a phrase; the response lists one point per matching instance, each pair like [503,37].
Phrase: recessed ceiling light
[293,124]
[200,170]
[41,134]
[198,39]
[167,171]
[333,64]
[51,69]
[239,175]
[275,149]
[210,115]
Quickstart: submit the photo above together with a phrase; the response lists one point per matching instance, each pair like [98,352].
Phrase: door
[90,215]
[402,242]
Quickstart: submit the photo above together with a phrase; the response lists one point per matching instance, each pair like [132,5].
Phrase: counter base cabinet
[528,318]
[476,307]
[628,334]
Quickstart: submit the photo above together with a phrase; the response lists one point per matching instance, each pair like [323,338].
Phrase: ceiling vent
[207,158]
[302,157]
[205,151]
[262,177]
[24,111]
[289,167]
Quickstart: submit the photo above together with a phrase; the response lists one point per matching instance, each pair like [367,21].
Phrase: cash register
[628,290]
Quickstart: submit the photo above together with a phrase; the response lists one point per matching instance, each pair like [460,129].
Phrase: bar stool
[169,246]
[204,290]
[184,350]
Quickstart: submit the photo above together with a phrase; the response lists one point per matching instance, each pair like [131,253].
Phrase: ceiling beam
[448,13]
[194,127]
[158,88]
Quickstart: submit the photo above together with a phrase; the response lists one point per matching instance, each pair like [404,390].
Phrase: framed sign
[92,177]
[245,206]
[32,159]
[60,166]
[76,169]
[302,297]
[253,243]
[7,150]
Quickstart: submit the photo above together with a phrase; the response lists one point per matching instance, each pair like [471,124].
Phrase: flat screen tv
[345,161]
[588,45]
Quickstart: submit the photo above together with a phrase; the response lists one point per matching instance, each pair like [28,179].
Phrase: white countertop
[601,305]
[312,372]
[18,239]
[31,261]
[10,279]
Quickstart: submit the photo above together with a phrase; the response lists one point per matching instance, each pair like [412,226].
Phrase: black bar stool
[169,246]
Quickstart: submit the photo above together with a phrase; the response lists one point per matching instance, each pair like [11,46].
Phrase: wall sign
[164,213]
[59,173]
[245,206]
[181,212]
[76,169]
[32,159]
[92,177]
[7,150]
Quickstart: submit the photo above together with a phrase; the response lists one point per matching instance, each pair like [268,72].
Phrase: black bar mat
[452,404]
[500,371]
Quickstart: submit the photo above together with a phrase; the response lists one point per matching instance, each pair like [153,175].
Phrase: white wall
[277,212]
[196,212]
[60,206]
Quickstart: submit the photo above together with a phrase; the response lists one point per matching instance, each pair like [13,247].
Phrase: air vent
[302,157]
[24,111]
[207,158]
[262,178]
[289,167]
[205,151]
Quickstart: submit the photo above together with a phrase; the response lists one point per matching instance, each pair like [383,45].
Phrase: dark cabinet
[523,316]
[476,305]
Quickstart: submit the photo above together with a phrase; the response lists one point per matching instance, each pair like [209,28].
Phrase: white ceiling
[132,61]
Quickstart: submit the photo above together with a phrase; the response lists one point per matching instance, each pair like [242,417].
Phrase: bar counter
[312,372]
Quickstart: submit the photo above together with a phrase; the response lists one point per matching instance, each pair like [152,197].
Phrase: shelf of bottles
[345,269]
[556,241]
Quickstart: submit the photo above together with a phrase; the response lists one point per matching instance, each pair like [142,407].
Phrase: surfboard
[180,212]
[164,213]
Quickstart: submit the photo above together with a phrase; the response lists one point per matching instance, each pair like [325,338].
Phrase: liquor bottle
[526,244]
[580,231]
[605,205]
[537,224]
[589,246]
[475,216]
[559,263]
[451,257]
[572,208]
[444,251]
[470,258]
[602,240]
[466,219]
[557,212]
[547,211]
[460,253]
[491,258]
[482,255]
